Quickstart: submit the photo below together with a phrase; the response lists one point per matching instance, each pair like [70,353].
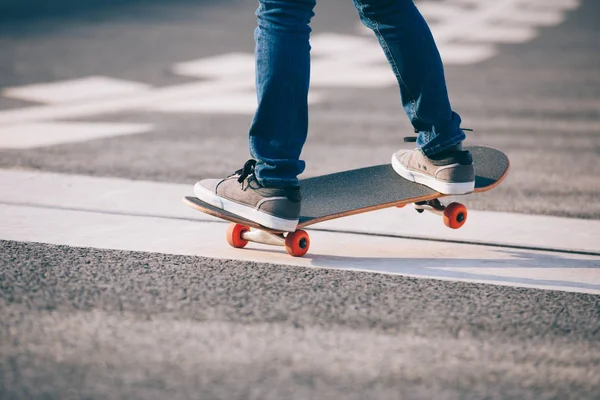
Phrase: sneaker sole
[244,211]
[435,184]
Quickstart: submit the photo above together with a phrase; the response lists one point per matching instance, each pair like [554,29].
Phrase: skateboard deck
[335,195]
[357,191]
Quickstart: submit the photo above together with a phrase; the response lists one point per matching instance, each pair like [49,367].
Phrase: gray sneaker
[450,173]
[242,195]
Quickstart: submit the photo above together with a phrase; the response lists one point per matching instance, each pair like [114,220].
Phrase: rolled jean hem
[430,150]
[278,183]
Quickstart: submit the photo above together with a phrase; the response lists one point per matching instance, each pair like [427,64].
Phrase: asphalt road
[84,323]
[105,324]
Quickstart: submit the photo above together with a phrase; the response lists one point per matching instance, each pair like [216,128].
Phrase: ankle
[457,147]
[447,152]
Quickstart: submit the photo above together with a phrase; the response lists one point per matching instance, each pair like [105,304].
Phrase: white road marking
[26,136]
[459,24]
[112,105]
[40,117]
[485,123]
[235,102]
[148,216]
[219,67]
[346,50]
[84,89]
[464,54]
[476,20]
[466,30]
[333,74]
[443,261]
[510,229]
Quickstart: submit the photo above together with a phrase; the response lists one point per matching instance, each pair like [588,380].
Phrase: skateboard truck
[296,243]
[454,214]
[435,206]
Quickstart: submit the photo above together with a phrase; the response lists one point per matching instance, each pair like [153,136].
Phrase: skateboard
[335,195]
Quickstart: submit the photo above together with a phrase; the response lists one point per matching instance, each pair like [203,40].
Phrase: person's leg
[411,51]
[266,190]
[280,124]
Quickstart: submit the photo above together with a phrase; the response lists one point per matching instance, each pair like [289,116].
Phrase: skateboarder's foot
[449,172]
[242,195]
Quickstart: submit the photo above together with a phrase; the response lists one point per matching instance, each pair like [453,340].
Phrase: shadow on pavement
[472,269]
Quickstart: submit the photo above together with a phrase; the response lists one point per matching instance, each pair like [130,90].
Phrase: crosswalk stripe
[458,25]
[83,89]
[466,31]
[120,214]
[31,135]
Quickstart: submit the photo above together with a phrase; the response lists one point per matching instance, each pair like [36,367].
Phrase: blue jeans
[280,125]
